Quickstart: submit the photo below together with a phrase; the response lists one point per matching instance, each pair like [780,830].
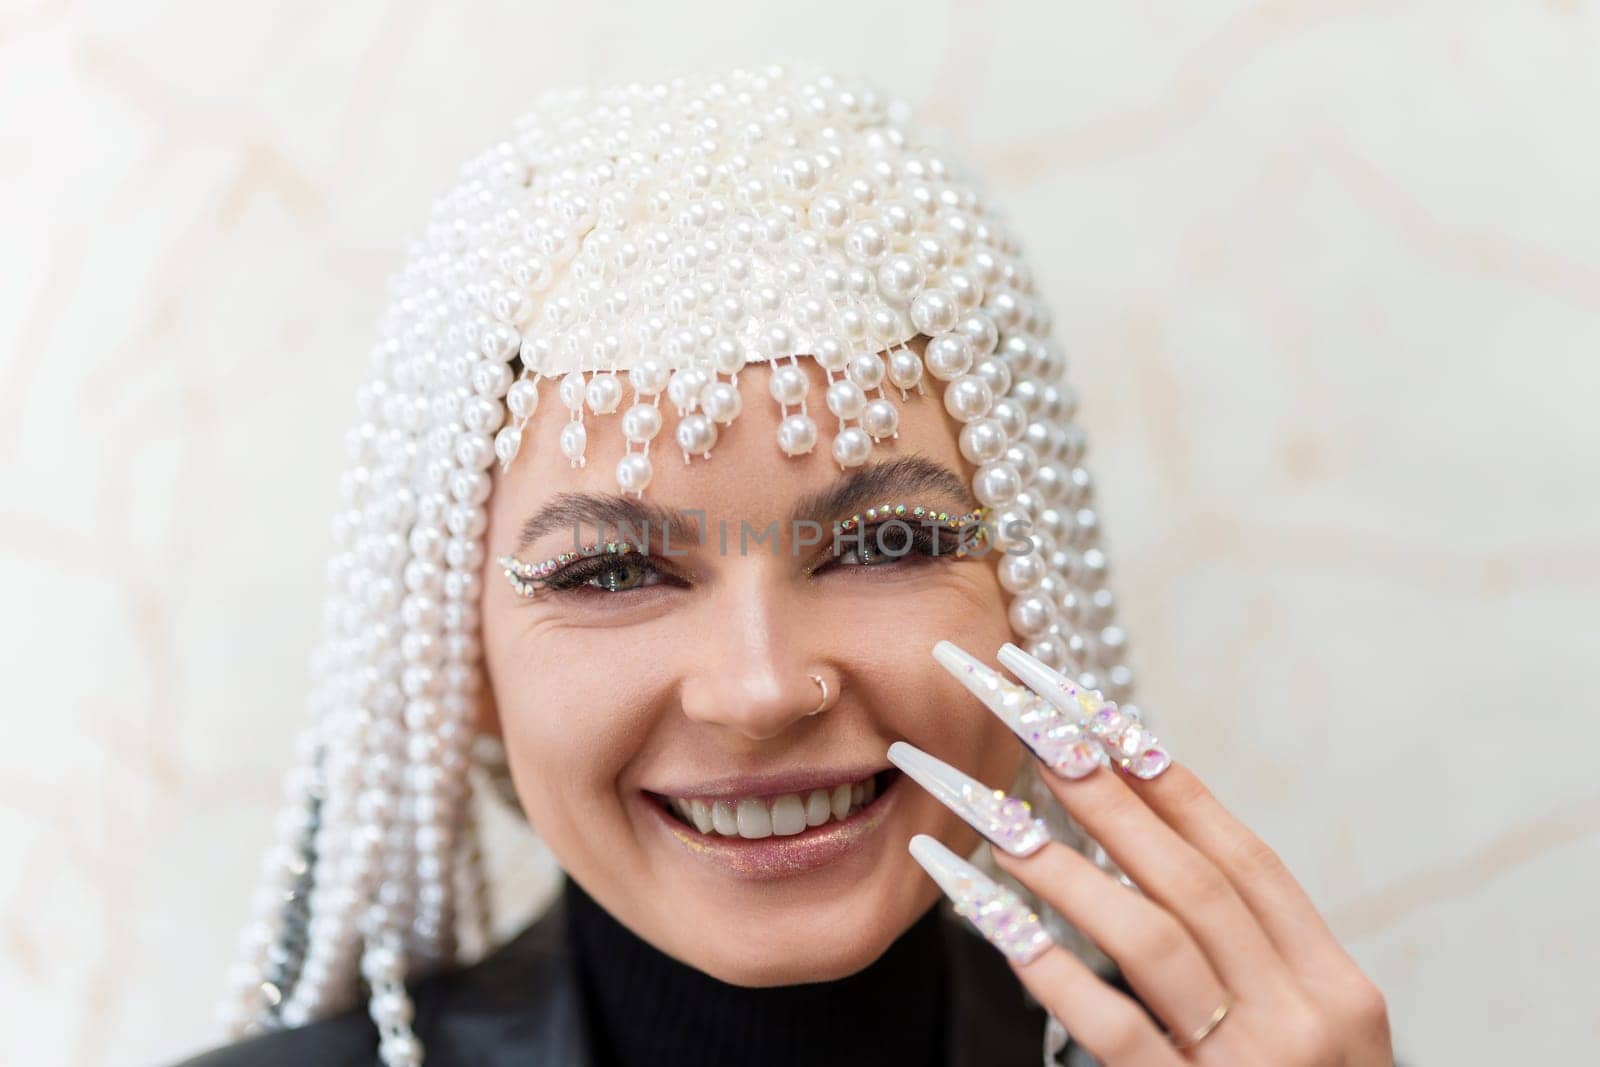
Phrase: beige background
[1330,273]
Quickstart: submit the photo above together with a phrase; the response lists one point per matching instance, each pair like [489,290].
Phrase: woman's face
[682,679]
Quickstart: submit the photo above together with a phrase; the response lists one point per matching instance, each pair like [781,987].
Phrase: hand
[1222,945]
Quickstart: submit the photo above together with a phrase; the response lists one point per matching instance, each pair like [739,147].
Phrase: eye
[609,574]
[896,541]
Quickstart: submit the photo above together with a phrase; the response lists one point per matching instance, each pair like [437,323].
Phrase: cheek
[567,736]
[910,695]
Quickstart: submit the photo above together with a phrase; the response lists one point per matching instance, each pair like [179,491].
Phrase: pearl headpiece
[638,247]
[697,227]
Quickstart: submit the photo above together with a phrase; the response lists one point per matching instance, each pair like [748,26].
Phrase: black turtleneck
[646,1009]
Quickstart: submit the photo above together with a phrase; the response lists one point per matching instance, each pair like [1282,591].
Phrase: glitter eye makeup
[891,531]
[527,579]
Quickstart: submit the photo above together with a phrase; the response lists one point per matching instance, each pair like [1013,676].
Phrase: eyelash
[919,542]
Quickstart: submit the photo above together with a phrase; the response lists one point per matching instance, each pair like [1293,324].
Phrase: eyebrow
[882,483]
[606,512]
[862,488]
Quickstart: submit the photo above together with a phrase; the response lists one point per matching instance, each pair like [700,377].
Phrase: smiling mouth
[778,815]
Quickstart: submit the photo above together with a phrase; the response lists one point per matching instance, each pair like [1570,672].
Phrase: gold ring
[822,683]
[1210,1024]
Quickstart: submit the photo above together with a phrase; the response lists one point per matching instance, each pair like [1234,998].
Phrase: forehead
[747,474]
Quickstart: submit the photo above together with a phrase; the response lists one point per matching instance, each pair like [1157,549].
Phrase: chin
[820,941]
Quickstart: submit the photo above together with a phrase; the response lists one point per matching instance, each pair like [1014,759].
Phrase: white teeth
[790,813]
[754,819]
[841,801]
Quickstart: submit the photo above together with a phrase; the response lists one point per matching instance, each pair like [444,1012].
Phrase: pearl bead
[683,390]
[996,484]
[523,398]
[934,311]
[1020,573]
[965,289]
[788,385]
[900,278]
[996,374]
[506,444]
[641,423]
[1024,459]
[980,330]
[722,402]
[696,434]
[633,472]
[905,368]
[831,353]
[867,243]
[797,435]
[967,398]
[728,357]
[845,399]
[574,441]
[982,441]
[866,370]
[851,447]
[880,419]
[948,356]
[604,394]
[1030,614]
[572,391]
[1011,417]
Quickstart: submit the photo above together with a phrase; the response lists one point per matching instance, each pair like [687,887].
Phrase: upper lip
[767,785]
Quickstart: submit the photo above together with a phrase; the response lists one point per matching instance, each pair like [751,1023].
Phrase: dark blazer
[521,1006]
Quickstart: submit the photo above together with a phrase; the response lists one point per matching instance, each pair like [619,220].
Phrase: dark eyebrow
[617,517]
[883,483]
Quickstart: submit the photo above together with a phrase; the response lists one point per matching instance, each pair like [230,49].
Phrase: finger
[1162,864]
[1283,908]
[1109,1025]
[1156,953]
[1278,901]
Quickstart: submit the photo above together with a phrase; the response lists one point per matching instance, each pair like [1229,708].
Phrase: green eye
[623,575]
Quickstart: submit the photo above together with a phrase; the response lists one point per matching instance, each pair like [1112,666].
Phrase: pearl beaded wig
[625,254]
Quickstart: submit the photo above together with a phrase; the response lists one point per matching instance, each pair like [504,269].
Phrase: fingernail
[1066,695]
[1126,740]
[1007,822]
[1056,738]
[998,914]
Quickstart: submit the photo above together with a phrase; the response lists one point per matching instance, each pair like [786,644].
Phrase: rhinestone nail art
[1125,740]
[1007,822]
[1002,918]
[1062,743]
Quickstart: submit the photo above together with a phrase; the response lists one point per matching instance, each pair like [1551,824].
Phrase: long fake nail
[1000,916]
[1126,740]
[1059,740]
[1007,822]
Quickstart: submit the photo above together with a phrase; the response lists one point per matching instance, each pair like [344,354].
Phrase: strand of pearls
[659,238]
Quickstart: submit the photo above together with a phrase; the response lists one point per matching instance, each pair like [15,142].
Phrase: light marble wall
[1330,274]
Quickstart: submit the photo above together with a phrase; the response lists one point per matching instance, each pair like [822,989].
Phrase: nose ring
[822,683]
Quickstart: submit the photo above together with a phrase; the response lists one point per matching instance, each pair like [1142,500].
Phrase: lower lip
[767,858]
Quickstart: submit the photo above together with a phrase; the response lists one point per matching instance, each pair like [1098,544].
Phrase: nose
[753,673]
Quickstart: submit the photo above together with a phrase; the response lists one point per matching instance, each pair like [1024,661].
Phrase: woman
[733,690]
